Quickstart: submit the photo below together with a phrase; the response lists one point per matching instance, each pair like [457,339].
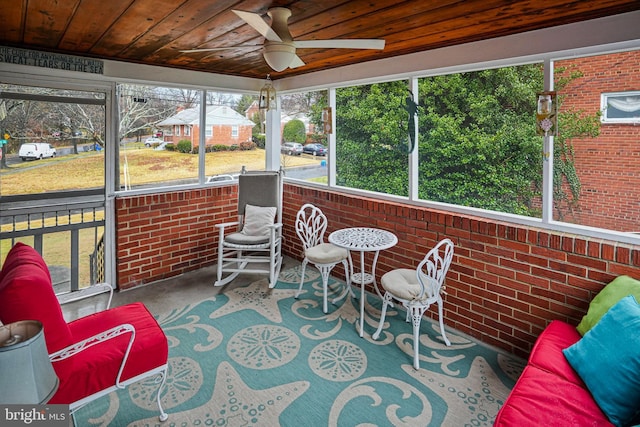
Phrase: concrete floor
[162,296]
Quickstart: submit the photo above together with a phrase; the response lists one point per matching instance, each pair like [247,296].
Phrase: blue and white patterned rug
[257,356]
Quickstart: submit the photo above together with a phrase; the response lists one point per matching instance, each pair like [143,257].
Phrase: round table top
[363,239]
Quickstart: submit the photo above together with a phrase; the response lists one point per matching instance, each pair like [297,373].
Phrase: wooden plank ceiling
[154,31]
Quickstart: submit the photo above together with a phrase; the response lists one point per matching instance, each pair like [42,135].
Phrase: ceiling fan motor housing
[279,55]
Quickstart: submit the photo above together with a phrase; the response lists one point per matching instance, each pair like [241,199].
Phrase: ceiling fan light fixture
[279,55]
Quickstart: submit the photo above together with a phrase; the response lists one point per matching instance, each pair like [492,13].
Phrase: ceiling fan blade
[259,24]
[211,49]
[340,43]
[296,62]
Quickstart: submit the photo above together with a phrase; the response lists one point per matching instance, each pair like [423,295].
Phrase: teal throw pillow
[619,288]
[607,359]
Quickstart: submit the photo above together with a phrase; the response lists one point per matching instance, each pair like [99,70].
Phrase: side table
[363,239]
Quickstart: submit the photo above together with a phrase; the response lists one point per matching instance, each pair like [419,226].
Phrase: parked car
[36,150]
[291,148]
[152,141]
[221,177]
[315,149]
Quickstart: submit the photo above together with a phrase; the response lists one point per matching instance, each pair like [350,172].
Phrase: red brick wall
[167,234]
[507,282]
[609,165]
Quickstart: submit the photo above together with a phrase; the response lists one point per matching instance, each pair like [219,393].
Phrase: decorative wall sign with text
[55,61]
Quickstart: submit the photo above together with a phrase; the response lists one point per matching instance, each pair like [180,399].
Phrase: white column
[413,156]
[273,138]
[331,155]
[547,155]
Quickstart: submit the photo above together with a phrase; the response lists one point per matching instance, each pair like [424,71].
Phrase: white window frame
[234,131]
[208,131]
[177,130]
[604,102]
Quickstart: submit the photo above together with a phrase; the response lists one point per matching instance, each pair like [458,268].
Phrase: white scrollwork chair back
[311,225]
[417,289]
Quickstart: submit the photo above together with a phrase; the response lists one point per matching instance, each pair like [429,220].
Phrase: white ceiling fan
[279,46]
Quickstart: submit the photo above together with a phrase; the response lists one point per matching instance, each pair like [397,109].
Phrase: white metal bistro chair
[417,289]
[311,224]
[255,242]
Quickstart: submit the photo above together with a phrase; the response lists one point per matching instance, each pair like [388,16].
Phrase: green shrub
[219,147]
[294,131]
[233,147]
[247,145]
[184,146]
[260,140]
[170,146]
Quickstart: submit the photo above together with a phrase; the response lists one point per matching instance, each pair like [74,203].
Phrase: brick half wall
[506,283]
[167,234]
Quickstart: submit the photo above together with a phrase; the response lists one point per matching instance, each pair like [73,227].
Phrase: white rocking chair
[417,289]
[311,225]
[254,245]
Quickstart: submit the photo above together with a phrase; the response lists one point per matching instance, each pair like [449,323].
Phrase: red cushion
[96,368]
[541,398]
[547,351]
[26,293]
[21,254]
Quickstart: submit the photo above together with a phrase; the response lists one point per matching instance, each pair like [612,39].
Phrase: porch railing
[31,220]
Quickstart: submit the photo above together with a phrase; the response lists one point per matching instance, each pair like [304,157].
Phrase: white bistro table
[363,239]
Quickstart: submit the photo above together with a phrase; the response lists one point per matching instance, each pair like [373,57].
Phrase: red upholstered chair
[94,355]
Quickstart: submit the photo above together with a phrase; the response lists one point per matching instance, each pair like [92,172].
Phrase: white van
[36,150]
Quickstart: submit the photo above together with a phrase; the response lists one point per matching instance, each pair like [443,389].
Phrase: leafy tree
[478,145]
[294,131]
[370,131]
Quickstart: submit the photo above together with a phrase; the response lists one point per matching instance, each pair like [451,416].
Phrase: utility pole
[4,139]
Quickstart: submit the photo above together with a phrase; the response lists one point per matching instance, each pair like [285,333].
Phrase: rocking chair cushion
[326,253]
[258,219]
[96,368]
[26,293]
[241,239]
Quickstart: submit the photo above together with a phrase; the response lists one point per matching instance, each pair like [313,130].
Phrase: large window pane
[371,137]
[52,179]
[160,136]
[52,140]
[597,180]
[478,143]
[302,123]
[151,124]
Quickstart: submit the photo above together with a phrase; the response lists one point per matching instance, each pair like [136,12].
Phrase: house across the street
[224,126]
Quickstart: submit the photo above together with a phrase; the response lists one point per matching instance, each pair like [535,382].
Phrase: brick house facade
[224,126]
[608,166]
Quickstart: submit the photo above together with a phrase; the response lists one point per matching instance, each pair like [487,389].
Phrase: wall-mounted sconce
[268,100]
[547,114]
